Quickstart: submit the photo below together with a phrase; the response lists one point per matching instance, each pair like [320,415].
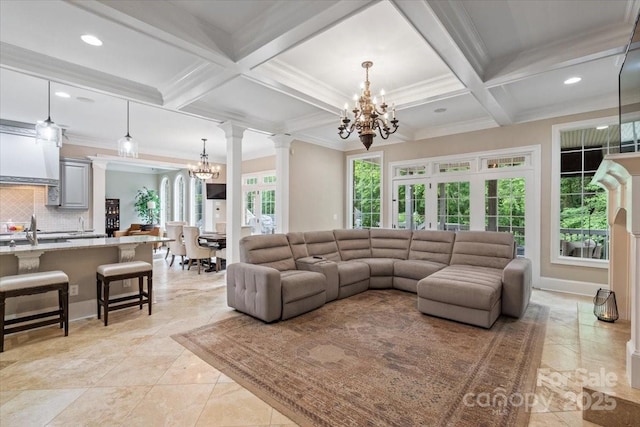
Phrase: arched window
[179,202]
[197,202]
[165,202]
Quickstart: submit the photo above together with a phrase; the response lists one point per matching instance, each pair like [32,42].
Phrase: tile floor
[133,373]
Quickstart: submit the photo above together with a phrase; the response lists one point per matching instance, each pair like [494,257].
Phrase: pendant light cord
[49,100]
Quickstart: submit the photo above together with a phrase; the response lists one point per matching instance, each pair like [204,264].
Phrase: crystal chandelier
[368,116]
[203,170]
[47,131]
[127,146]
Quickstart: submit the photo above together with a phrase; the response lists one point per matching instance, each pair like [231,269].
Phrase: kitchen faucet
[33,229]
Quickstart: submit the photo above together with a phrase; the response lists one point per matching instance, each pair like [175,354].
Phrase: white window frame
[177,215]
[260,186]
[350,159]
[556,258]
[164,201]
[192,197]
[479,171]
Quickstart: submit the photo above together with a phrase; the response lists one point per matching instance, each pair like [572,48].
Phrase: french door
[493,201]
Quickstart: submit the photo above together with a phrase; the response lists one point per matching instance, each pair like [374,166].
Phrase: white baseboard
[570,286]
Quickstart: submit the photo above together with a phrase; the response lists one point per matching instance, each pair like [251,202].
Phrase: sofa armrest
[516,287]
[326,267]
[255,290]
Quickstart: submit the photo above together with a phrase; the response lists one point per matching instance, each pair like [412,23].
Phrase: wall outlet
[73,290]
[126,283]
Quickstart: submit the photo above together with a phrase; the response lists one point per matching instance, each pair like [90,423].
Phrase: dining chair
[176,246]
[222,253]
[168,223]
[196,252]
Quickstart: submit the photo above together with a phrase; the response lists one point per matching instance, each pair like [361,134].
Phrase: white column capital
[99,164]
[232,130]
[282,140]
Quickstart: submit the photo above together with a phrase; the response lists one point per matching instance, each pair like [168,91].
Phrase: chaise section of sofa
[470,289]
[266,283]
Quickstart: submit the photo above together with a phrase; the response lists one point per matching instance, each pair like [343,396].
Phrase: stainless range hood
[22,161]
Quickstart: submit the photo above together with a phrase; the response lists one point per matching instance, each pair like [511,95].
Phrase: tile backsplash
[19,202]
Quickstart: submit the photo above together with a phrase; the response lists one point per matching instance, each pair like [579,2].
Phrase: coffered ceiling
[279,66]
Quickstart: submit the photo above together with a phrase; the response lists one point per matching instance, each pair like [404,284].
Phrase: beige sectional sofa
[468,276]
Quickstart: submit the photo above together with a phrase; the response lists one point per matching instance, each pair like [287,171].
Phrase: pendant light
[127,146]
[47,131]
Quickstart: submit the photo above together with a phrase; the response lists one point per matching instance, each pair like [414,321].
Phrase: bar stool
[30,284]
[108,273]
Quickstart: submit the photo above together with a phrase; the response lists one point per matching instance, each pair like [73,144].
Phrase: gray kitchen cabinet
[74,183]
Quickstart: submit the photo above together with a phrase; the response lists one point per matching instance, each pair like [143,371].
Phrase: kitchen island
[79,259]
[20,238]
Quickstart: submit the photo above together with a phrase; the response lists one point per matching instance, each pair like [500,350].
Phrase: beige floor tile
[138,370]
[102,406]
[171,405]
[225,379]
[278,419]
[6,396]
[36,407]
[560,357]
[190,369]
[232,405]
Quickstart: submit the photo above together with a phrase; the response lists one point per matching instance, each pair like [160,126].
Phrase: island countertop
[81,243]
[45,237]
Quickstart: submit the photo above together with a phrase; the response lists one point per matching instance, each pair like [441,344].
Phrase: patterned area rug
[373,359]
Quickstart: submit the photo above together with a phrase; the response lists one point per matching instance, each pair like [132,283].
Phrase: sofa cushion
[413,269]
[350,272]
[298,245]
[353,244]
[297,285]
[432,245]
[268,250]
[322,243]
[379,266]
[463,285]
[386,243]
[483,248]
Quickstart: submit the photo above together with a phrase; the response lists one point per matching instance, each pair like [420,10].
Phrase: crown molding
[592,104]
[202,109]
[437,88]
[455,128]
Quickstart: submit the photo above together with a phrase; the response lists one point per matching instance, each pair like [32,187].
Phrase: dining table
[214,240]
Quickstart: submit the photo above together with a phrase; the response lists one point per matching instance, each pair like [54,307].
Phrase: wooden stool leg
[61,308]
[140,289]
[65,309]
[150,290]
[105,301]
[2,298]
[98,294]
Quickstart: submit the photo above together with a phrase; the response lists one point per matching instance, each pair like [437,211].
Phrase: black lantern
[604,305]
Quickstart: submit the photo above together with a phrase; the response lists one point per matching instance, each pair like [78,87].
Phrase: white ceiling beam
[167,23]
[420,15]
[578,49]
[195,84]
[205,110]
[289,24]
[38,65]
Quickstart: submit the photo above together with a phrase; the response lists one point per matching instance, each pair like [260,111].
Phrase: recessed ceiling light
[63,95]
[602,127]
[439,110]
[83,99]
[92,40]
[572,80]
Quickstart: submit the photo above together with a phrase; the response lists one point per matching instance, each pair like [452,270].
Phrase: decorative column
[233,133]
[620,175]
[282,143]
[99,168]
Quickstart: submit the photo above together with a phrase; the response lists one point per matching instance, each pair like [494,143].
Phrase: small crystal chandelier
[47,131]
[367,115]
[203,170]
[127,146]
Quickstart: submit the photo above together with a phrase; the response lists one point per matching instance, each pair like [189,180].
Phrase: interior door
[409,204]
